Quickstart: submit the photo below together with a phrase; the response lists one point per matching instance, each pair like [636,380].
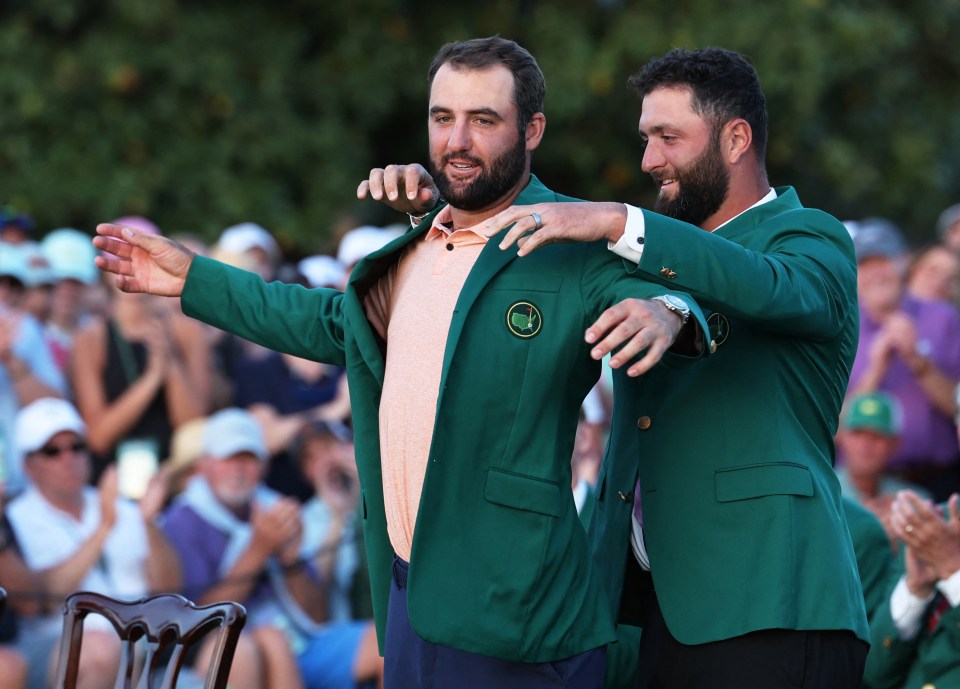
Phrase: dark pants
[768,659]
[412,663]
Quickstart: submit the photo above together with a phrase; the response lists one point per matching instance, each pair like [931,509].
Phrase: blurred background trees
[204,113]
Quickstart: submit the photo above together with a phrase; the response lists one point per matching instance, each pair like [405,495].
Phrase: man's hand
[405,188]
[634,325]
[934,540]
[559,222]
[155,497]
[277,529]
[108,490]
[143,262]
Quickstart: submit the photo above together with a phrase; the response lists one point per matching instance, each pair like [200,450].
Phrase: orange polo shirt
[411,308]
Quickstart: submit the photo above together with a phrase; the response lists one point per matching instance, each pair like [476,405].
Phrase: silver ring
[536,219]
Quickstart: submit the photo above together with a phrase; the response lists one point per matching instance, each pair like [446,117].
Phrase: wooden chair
[165,621]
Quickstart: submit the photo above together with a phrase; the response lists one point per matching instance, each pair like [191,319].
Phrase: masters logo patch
[524,319]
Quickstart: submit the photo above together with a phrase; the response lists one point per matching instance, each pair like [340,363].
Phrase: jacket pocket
[528,283]
[758,480]
[522,492]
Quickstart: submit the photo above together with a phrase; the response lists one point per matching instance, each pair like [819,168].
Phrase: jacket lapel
[490,262]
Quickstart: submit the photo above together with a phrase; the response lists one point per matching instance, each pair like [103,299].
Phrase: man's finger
[654,353]
[953,508]
[608,320]
[391,183]
[363,189]
[415,177]
[375,184]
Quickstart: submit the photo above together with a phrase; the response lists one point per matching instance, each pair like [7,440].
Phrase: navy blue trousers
[412,663]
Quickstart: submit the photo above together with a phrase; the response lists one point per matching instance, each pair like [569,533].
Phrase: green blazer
[500,564]
[930,660]
[743,520]
[875,562]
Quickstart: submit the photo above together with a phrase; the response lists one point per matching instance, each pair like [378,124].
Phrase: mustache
[465,158]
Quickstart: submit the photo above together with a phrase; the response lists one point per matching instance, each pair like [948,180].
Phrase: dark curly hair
[724,84]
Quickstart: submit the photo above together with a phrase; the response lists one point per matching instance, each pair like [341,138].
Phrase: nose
[652,158]
[459,136]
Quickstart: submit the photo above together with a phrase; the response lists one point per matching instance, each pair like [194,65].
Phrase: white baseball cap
[39,421]
[232,431]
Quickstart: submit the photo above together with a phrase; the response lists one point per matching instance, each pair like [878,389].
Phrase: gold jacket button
[928,686]
[667,273]
[887,642]
[626,497]
[713,346]
[643,423]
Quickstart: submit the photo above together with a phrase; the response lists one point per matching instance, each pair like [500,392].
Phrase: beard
[493,182]
[702,187]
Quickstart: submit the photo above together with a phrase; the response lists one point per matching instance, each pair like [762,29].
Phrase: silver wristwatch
[675,304]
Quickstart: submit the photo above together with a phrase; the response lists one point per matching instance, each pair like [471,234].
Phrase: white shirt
[47,536]
[630,245]
[907,609]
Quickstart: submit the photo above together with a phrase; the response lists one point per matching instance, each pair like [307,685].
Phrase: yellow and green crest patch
[524,319]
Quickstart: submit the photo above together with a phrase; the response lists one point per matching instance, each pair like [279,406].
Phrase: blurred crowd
[142,451]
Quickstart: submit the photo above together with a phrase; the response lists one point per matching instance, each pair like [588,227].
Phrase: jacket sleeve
[307,323]
[803,282]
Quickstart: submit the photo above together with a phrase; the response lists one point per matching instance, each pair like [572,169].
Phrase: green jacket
[743,521]
[500,564]
[929,660]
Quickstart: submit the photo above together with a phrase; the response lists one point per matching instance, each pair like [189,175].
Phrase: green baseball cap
[876,411]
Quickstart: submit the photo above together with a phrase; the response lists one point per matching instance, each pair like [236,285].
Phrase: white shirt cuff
[630,245]
[906,610]
[950,588]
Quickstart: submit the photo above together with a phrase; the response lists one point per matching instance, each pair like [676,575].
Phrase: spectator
[70,256]
[22,598]
[914,634]
[342,653]
[27,369]
[909,348]
[238,540]
[948,227]
[78,537]
[137,375]
[15,227]
[869,435]
[933,274]
[257,247]
[871,545]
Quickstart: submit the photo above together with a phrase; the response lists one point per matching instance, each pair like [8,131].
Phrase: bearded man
[466,369]
[742,571]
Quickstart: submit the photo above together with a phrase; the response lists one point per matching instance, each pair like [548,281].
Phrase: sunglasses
[52,451]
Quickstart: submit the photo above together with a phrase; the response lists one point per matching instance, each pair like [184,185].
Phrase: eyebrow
[489,112]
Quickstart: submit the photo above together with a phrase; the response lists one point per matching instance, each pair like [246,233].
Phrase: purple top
[201,547]
[929,437]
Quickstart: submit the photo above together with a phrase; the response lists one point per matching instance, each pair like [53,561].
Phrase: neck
[463,218]
[71,504]
[744,192]
[866,484]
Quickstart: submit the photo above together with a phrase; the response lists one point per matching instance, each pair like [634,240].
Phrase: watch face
[676,301]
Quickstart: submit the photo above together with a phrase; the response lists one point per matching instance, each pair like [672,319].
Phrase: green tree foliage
[203,113]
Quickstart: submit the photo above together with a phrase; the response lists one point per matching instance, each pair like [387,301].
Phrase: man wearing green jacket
[747,570]
[466,369]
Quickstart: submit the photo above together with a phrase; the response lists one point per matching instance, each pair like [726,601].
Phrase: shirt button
[643,423]
[449,247]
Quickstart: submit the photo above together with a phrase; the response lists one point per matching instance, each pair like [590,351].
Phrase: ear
[735,140]
[534,132]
